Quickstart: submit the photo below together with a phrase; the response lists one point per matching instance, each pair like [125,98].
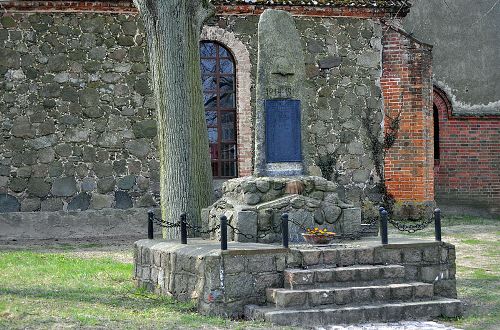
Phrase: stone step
[352,295]
[359,275]
[388,312]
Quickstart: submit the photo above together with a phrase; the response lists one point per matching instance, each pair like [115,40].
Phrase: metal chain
[165,224]
[411,228]
[197,229]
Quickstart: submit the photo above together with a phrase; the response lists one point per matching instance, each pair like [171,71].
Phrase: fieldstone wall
[343,109]
[78,124]
[78,127]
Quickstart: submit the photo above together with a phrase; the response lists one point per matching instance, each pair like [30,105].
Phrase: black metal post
[284,229]
[223,232]
[184,234]
[383,226]
[151,216]
[437,224]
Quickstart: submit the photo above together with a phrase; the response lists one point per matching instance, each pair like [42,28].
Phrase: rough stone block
[330,257]
[290,298]
[391,256]
[423,291]
[446,288]
[298,278]
[401,291]
[324,275]
[381,293]
[432,254]
[311,257]
[343,296]
[239,285]
[261,264]
[362,295]
[346,257]
[350,221]
[264,281]
[393,272]
[412,255]
[321,297]
[246,222]
[453,309]
[345,275]
[430,273]
[411,272]
[364,256]
[393,312]
[234,264]
[368,273]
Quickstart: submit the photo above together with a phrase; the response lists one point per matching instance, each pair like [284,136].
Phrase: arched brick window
[218,73]
[441,109]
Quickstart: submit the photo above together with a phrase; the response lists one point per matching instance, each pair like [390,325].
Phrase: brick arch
[243,94]
[442,102]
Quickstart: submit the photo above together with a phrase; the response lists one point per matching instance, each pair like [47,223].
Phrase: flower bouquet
[318,236]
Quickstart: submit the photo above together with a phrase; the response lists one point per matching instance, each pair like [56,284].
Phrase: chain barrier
[413,227]
[276,229]
[197,229]
[165,224]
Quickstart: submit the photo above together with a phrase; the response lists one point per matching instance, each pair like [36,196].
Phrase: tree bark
[173,29]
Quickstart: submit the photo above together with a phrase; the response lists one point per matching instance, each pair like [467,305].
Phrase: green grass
[45,289]
[69,287]
[477,244]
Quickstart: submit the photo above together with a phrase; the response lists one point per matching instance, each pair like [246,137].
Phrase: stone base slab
[224,282]
[77,224]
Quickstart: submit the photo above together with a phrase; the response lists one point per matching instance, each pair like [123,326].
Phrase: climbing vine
[379,150]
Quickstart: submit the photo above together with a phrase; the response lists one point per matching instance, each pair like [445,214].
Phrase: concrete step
[389,312]
[352,295]
[358,275]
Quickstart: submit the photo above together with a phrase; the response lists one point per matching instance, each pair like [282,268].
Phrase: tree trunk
[173,29]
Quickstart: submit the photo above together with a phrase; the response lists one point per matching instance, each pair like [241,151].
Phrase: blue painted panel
[283,137]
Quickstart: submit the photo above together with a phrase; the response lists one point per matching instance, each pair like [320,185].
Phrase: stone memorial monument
[280,183]
[278,115]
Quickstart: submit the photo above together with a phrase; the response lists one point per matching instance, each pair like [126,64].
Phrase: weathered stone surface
[145,201]
[126,183]
[64,187]
[9,203]
[145,129]
[30,205]
[139,148]
[51,205]
[99,201]
[106,185]
[329,62]
[38,187]
[123,200]
[88,184]
[246,222]
[279,77]
[80,202]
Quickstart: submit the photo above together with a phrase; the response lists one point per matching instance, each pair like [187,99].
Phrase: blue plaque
[283,138]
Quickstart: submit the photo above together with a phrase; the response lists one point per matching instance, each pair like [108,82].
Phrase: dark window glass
[219,88]
[437,154]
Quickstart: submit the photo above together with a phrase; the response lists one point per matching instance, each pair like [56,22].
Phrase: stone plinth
[255,205]
[223,282]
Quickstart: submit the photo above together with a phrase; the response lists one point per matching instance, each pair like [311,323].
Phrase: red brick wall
[469,165]
[407,89]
